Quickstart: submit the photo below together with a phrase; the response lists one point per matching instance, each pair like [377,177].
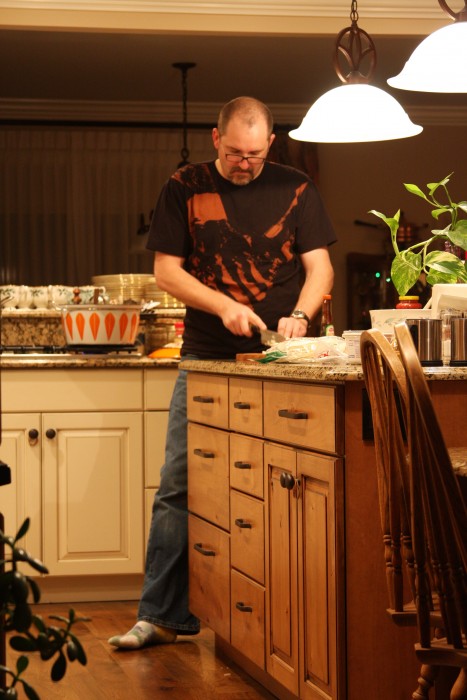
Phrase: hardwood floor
[186,670]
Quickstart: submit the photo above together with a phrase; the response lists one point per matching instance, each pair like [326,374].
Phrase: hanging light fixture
[184,68]
[439,63]
[355,111]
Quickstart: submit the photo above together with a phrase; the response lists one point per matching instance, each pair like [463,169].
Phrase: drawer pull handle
[50,433]
[242,465]
[242,523]
[243,608]
[203,453]
[242,405]
[205,552]
[203,399]
[33,436]
[287,481]
[295,415]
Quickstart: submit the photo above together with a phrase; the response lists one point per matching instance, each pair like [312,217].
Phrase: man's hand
[292,327]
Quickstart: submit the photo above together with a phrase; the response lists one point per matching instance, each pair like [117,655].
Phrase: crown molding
[114,112]
[300,8]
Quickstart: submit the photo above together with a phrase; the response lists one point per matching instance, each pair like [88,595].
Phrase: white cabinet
[74,441]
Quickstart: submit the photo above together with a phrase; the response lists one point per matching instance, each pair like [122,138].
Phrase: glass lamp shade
[355,113]
[438,64]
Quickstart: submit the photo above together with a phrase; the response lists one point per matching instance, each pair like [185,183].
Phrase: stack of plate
[153,293]
[123,288]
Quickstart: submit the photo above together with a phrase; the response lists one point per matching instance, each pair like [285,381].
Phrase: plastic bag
[306,350]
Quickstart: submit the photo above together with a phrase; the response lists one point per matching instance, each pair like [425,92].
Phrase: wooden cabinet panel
[281,572]
[247,535]
[247,614]
[155,430]
[208,474]
[158,388]
[209,571]
[246,406]
[93,493]
[320,563]
[208,400]
[298,414]
[246,465]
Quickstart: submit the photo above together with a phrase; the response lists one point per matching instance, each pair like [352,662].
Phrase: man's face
[241,140]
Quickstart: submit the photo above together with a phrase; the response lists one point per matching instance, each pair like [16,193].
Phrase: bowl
[100,324]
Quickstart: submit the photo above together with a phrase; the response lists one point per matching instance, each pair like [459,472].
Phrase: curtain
[73,199]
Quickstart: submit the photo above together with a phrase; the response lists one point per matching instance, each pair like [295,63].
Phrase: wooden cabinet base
[226,651]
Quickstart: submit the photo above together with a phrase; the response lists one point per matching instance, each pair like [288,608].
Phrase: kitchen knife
[268,337]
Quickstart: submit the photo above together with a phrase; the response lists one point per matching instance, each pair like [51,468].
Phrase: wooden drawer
[208,399]
[247,535]
[246,464]
[300,414]
[208,474]
[247,613]
[209,567]
[246,406]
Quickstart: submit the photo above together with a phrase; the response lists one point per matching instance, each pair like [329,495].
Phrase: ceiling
[137,67]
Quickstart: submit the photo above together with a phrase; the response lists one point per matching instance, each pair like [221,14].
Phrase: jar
[408,303]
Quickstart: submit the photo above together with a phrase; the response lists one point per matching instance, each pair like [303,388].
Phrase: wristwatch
[298,313]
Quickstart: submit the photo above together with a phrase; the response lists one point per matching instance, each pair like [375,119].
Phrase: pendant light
[355,112]
[184,68]
[439,63]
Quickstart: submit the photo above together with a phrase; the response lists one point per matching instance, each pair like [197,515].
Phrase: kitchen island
[286,552]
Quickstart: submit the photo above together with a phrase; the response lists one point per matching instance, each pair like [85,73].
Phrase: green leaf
[59,668]
[433,186]
[22,664]
[80,653]
[435,277]
[463,205]
[444,262]
[458,235]
[35,590]
[413,189]
[19,643]
[23,529]
[436,213]
[22,617]
[405,271]
[30,692]
[39,623]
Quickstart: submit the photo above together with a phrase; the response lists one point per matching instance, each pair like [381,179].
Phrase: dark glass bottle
[327,324]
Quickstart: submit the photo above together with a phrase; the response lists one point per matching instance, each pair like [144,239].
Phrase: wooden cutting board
[244,356]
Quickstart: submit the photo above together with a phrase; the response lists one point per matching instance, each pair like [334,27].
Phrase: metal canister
[458,341]
[426,334]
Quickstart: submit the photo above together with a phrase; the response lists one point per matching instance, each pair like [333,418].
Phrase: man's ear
[216,137]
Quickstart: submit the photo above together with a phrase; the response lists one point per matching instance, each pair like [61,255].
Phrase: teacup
[60,296]
[40,297]
[9,296]
[87,293]
[24,297]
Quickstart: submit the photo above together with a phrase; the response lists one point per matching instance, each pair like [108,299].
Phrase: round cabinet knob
[50,433]
[33,436]
[287,481]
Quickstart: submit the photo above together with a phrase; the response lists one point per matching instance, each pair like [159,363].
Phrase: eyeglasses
[251,160]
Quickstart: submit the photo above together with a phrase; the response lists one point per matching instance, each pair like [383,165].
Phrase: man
[243,243]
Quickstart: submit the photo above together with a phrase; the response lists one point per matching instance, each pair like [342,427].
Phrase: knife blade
[268,337]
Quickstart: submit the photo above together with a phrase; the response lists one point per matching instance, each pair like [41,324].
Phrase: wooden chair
[417,509]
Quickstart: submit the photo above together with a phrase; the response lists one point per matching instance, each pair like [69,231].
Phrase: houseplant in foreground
[440,266]
[17,616]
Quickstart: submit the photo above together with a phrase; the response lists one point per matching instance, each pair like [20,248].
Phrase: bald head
[247,110]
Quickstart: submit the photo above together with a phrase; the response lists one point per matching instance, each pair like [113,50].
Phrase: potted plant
[440,266]
[33,634]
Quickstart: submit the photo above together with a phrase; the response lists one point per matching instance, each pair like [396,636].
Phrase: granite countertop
[322,372]
[76,362]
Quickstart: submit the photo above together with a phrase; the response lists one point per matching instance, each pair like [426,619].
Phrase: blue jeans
[164,598]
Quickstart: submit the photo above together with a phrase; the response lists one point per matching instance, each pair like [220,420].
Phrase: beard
[241,177]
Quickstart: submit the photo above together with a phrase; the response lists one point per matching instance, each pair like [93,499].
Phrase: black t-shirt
[244,241]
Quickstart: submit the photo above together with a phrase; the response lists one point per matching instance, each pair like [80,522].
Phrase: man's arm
[319,277]
[171,277]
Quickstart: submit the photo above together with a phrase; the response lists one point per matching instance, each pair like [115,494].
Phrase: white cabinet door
[20,450]
[93,506]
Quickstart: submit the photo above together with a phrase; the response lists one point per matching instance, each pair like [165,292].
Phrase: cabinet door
[93,493]
[21,451]
[209,571]
[320,577]
[281,570]
[208,474]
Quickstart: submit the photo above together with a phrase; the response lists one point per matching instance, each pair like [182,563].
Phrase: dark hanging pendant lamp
[184,68]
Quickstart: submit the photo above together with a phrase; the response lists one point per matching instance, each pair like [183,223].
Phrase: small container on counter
[352,346]
[410,302]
